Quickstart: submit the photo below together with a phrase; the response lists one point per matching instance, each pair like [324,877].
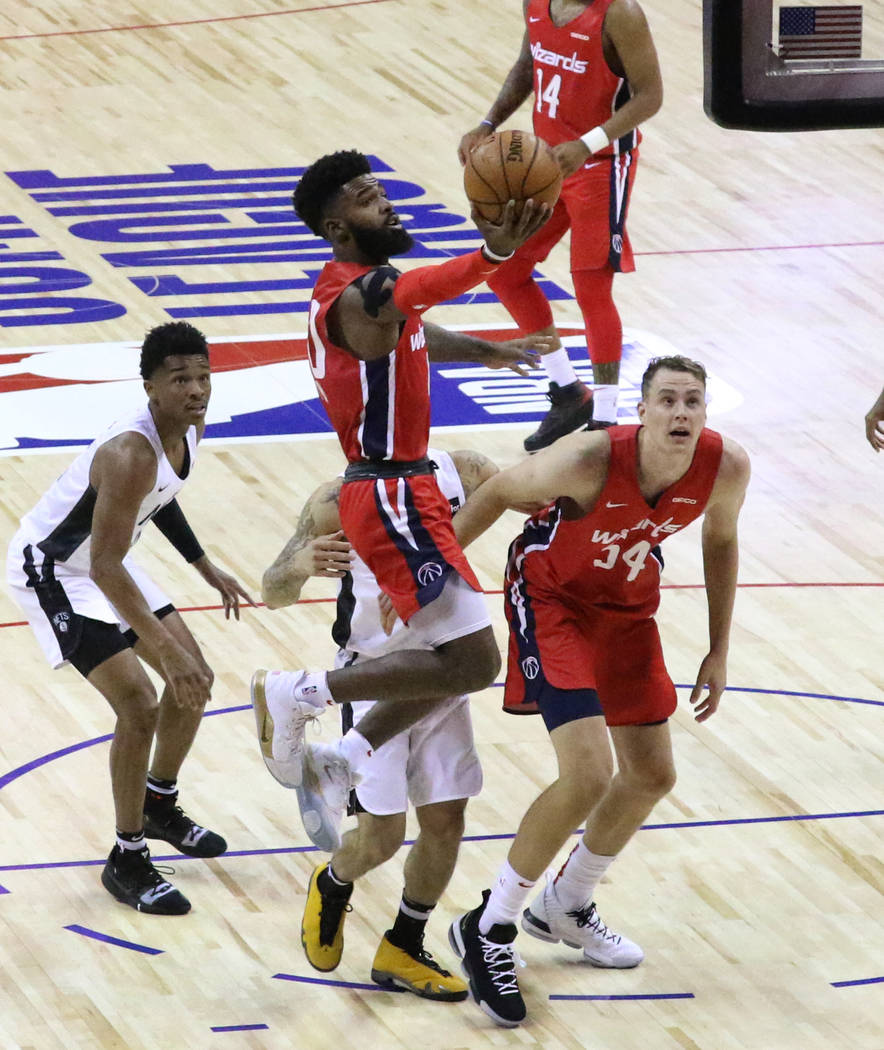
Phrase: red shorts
[593,205]
[401,528]
[620,657]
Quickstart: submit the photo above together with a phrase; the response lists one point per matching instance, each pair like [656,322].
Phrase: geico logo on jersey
[682,499]
[570,63]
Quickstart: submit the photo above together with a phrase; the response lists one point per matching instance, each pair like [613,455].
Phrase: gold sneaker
[396,970]
[322,927]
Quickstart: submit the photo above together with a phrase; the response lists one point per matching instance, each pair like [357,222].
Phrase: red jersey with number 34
[574,88]
[604,559]
[380,409]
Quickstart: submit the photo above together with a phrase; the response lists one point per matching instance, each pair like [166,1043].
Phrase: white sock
[579,876]
[605,402]
[508,895]
[356,749]
[312,688]
[558,367]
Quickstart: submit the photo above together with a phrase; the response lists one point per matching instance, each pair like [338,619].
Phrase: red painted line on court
[192,21]
[665,587]
[767,248]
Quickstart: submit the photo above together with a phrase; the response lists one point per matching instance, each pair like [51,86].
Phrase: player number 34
[634,558]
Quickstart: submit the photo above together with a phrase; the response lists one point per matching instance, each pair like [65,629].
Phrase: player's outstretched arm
[875,424]
[516,88]
[318,548]
[367,315]
[573,467]
[445,345]
[172,523]
[720,564]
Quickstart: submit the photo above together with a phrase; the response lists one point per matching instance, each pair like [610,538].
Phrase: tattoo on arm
[282,584]
[473,468]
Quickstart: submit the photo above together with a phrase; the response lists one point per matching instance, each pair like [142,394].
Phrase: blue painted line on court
[240,1027]
[280,851]
[792,692]
[328,983]
[36,763]
[622,998]
[853,984]
[116,941]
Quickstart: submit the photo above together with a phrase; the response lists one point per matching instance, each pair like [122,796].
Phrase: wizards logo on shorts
[57,397]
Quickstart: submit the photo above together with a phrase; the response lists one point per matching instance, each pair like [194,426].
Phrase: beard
[381,243]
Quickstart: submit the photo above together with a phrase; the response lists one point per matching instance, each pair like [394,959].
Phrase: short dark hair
[323,181]
[176,337]
[676,363]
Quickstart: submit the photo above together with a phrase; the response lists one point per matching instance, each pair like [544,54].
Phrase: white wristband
[493,256]
[595,140]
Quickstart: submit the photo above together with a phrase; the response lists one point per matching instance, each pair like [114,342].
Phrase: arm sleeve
[173,525]
[426,286]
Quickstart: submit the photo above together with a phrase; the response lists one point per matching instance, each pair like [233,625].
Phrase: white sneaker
[583,928]
[282,710]
[323,793]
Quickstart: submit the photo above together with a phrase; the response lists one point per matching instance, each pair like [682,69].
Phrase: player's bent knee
[443,820]
[137,713]
[655,780]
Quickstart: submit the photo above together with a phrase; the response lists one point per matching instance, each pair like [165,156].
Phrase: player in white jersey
[433,764]
[91,606]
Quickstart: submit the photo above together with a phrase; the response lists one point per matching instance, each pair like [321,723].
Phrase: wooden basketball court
[755,890]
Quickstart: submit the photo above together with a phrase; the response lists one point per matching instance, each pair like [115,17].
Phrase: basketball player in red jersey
[369,352]
[582,588]
[593,69]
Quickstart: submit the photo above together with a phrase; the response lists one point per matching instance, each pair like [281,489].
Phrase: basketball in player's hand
[511,165]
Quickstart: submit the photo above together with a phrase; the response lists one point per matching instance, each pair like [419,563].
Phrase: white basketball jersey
[61,523]
[357,627]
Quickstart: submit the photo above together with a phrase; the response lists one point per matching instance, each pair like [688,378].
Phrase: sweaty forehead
[359,185]
[681,382]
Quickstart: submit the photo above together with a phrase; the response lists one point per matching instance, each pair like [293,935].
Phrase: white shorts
[455,613]
[433,761]
[61,595]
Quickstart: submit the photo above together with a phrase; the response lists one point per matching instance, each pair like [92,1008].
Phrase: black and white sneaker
[489,962]
[570,409]
[131,878]
[170,823]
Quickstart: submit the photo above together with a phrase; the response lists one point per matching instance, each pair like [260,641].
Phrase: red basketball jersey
[605,559]
[574,89]
[380,409]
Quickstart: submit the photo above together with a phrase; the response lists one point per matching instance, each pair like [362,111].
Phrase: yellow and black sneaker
[399,971]
[322,927]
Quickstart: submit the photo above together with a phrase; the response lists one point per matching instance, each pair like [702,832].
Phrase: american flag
[821,32]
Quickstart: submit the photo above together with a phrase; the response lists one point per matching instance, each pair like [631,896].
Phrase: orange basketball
[511,165]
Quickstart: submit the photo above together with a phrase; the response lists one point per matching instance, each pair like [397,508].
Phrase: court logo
[531,667]
[428,572]
[59,397]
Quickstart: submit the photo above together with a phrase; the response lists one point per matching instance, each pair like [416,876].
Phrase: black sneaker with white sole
[170,823]
[489,961]
[131,878]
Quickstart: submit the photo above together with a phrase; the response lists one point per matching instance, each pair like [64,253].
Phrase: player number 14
[634,558]
[549,95]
